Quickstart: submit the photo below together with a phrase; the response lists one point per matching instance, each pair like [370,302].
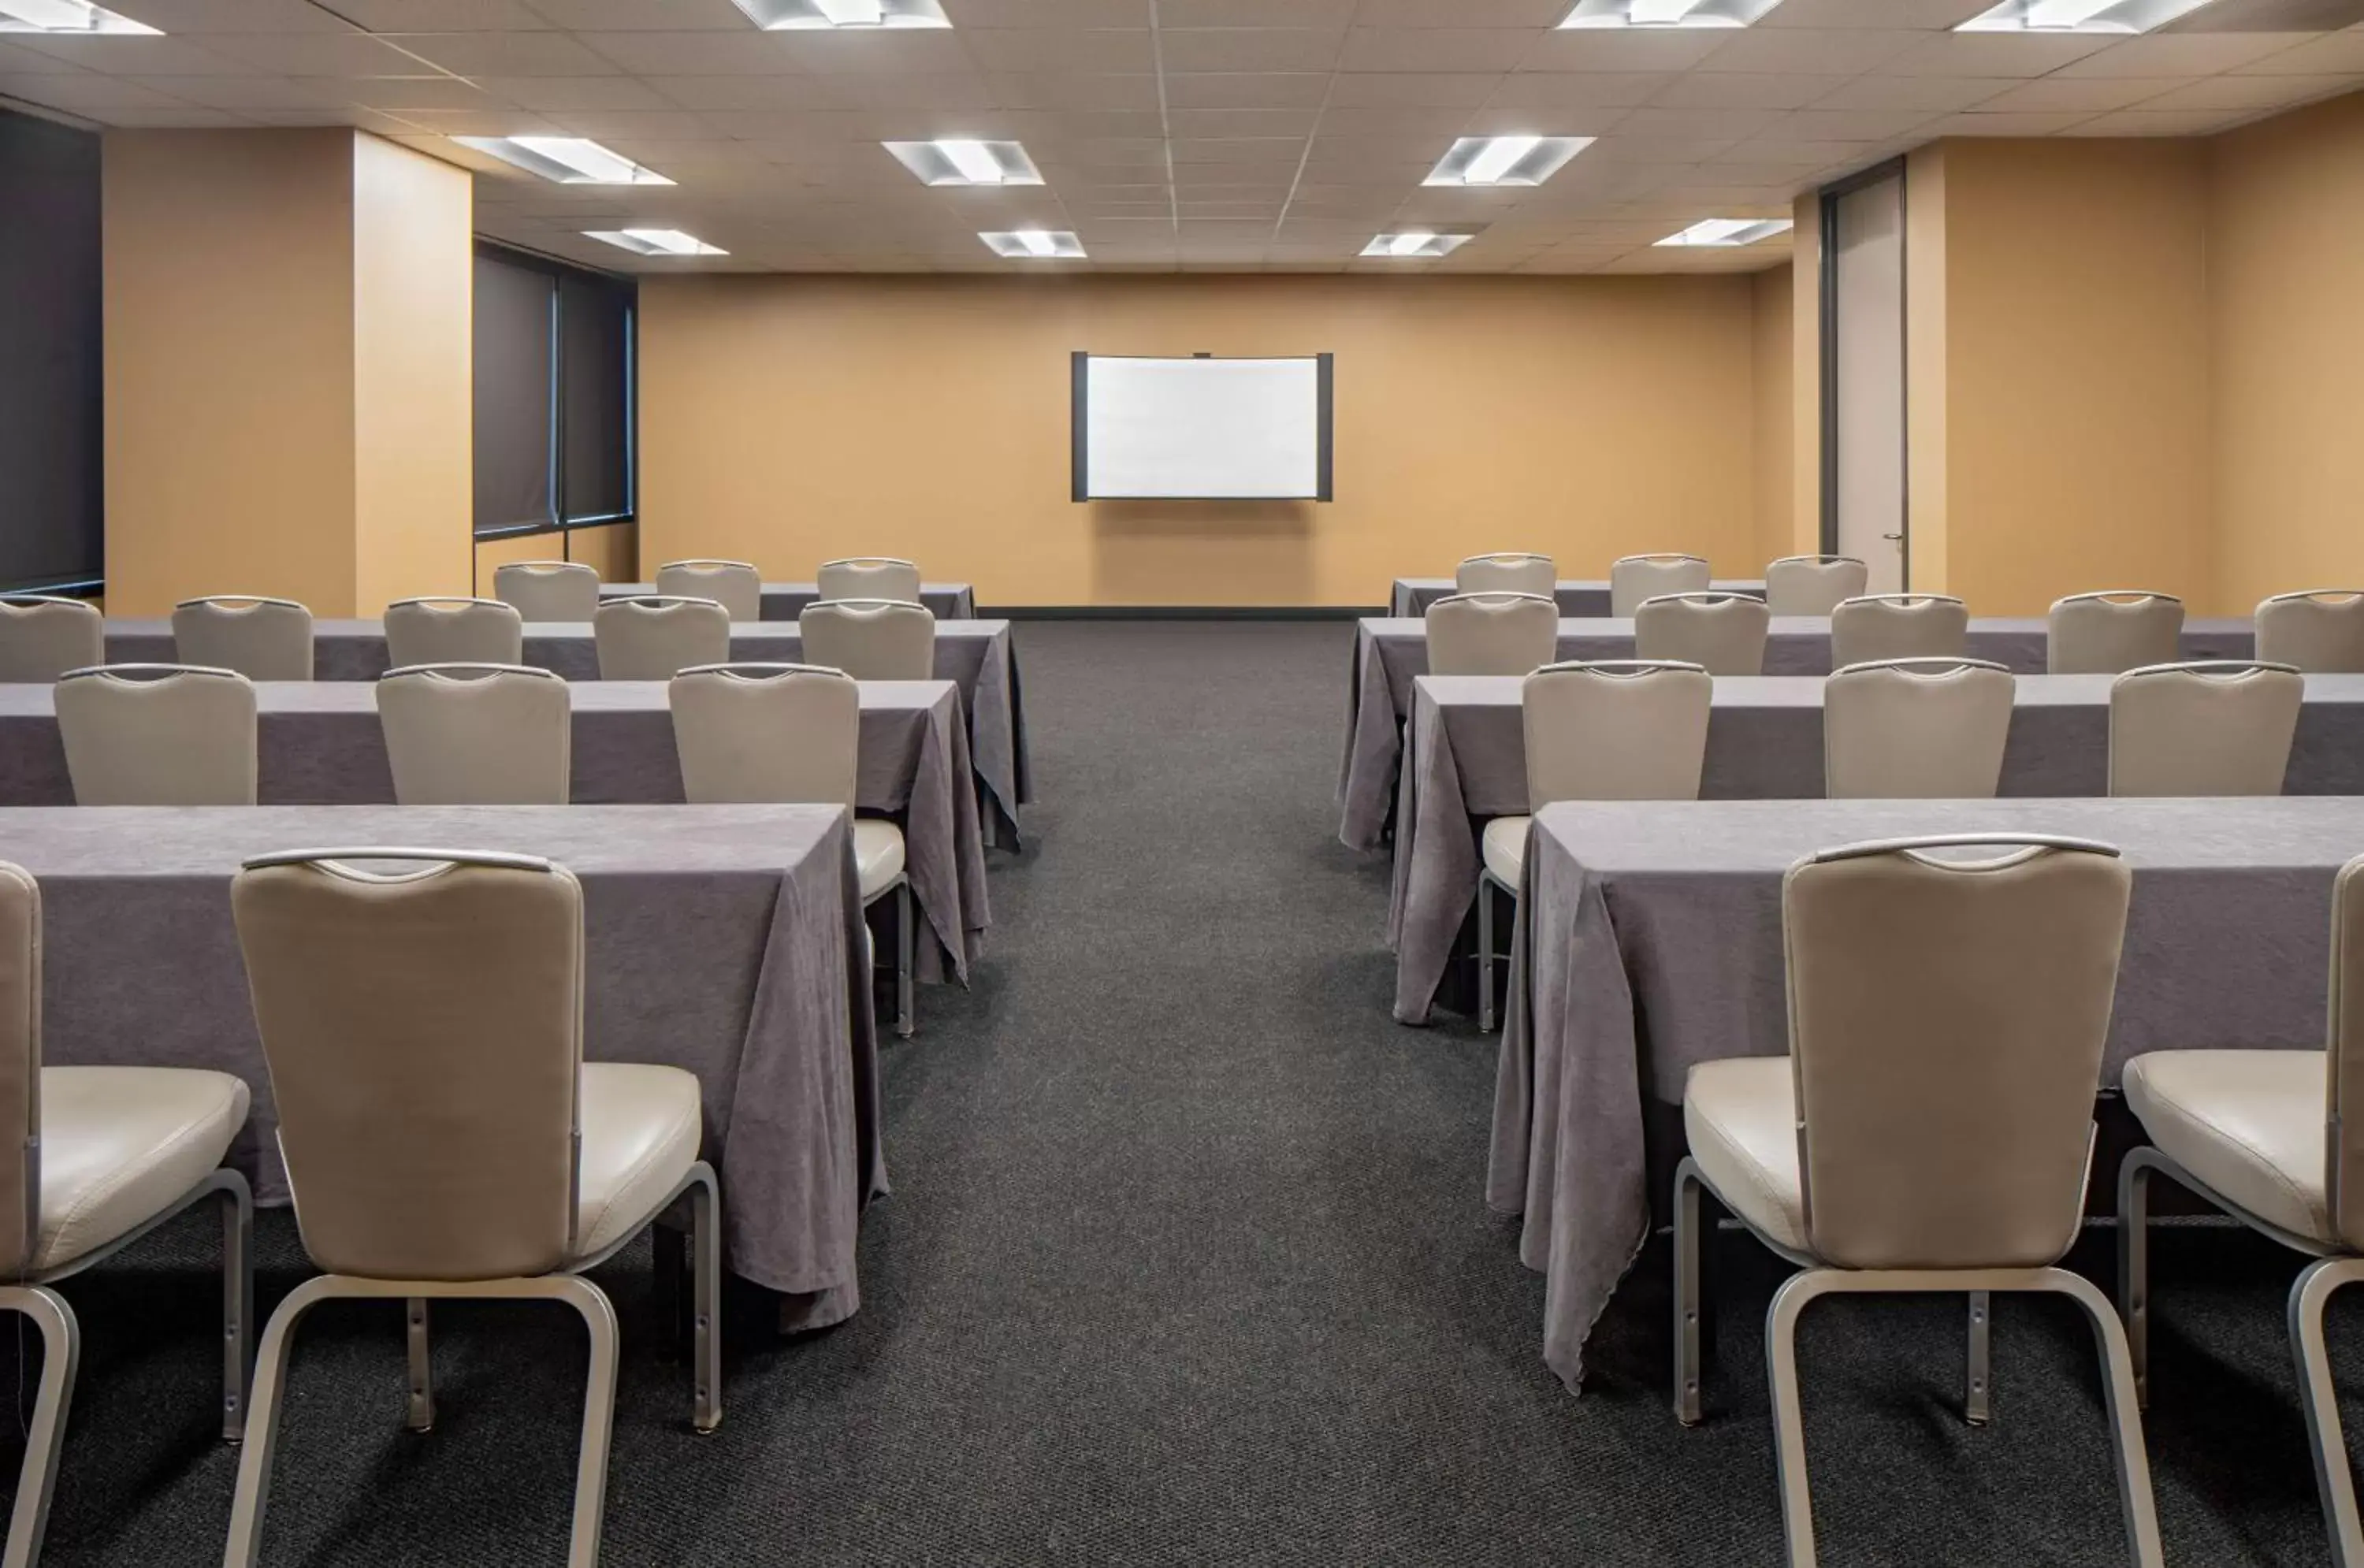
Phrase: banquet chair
[444,1139]
[42,637]
[2263,1136]
[1618,729]
[791,734]
[736,585]
[2320,630]
[654,638]
[1634,578]
[870,640]
[104,1155]
[158,734]
[1492,634]
[473,734]
[1813,585]
[2211,727]
[547,590]
[2110,632]
[1898,626]
[1721,633]
[1507,572]
[264,639]
[1916,729]
[868,577]
[1948,1156]
[453,631]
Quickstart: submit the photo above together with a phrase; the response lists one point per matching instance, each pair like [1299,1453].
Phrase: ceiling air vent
[2271,17]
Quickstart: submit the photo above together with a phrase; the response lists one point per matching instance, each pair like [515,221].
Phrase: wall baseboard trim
[1179,612]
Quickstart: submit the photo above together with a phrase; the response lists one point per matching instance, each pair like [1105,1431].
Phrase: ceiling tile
[2064,92]
[1434,49]
[2178,54]
[738,52]
[1250,49]
[505,54]
[1654,49]
[319,54]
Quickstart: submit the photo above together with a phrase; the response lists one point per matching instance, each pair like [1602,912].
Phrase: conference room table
[724,939]
[1650,939]
[1577,600]
[320,743]
[976,655]
[1465,759]
[1391,651]
[787,601]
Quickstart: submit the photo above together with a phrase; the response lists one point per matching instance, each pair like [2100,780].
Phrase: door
[1865,357]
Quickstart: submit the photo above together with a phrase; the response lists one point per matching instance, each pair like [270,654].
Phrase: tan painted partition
[1775,439]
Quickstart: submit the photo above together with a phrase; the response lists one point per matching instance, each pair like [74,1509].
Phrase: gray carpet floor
[1187,1263]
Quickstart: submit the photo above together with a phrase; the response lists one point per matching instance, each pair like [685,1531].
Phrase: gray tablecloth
[1577,601]
[1465,759]
[1390,652]
[976,655]
[785,601]
[1650,939]
[321,745]
[723,939]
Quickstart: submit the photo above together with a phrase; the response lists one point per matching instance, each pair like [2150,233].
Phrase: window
[554,392]
[52,468]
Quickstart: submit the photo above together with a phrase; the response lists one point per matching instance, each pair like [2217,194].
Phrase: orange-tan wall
[1772,424]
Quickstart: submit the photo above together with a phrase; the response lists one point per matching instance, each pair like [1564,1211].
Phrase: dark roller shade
[515,482]
[52,470]
[594,324]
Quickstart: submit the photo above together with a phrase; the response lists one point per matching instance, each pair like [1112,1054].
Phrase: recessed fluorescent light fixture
[1729,232]
[1415,244]
[569,160]
[1036,244]
[69,18]
[794,16]
[1666,13]
[2119,17]
[1505,160]
[656,242]
[961,161]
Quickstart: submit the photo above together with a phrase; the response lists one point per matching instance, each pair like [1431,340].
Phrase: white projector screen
[1201,428]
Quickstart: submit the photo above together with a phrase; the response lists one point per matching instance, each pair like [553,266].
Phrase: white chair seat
[641,1133]
[1505,848]
[1741,1116]
[119,1144]
[877,855]
[2250,1123]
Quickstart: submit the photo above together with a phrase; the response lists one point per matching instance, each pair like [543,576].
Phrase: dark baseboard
[1178,612]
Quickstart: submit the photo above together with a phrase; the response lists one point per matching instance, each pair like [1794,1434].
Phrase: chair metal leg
[1485,955]
[1691,1332]
[2308,1299]
[1978,1384]
[2119,1403]
[263,1420]
[238,1302]
[37,1480]
[598,1415]
[904,943]
[1789,1422]
[706,1322]
[419,1416]
[2133,1267]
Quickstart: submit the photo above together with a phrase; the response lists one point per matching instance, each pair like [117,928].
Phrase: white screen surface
[1202,429]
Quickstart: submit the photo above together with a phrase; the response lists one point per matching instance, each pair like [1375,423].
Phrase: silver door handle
[1891,536]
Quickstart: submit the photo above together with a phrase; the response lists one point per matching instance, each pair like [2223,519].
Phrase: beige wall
[789,420]
[1771,423]
[1927,451]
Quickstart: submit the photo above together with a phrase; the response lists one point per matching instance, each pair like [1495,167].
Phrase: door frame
[1827,334]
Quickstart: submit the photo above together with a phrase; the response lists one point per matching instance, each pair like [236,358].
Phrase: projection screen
[1205,430]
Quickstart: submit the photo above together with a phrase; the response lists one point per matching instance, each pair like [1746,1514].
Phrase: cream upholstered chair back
[1814,584]
[2211,727]
[1898,625]
[42,637]
[1492,634]
[20,1067]
[2110,632]
[466,734]
[1947,1021]
[2320,630]
[453,631]
[655,638]
[1507,572]
[2344,1055]
[158,734]
[1721,633]
[1634,578]
[547,590]
[1631,730]
[1916,729]
[736,585]
[264,639]
[421,1014]
[767,733]
[869,577]
[871,640]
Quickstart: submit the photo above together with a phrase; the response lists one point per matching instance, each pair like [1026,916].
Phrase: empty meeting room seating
[736,585]
[1721,633]
[654,638]
[2218,727]
[1898,626]
[791,734]
[868,577]
[1916,729]
[104,1156]
[2110,632]
[1950,1155]
[1634,578]
[42,637]
[1492,634]
[437,1151]
[468,734]
[870,640]
[158,734]
[453,631]
[1814,584]
[1629,729]
[2320,630]
[1507,572]
[264,639]
[547,590]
